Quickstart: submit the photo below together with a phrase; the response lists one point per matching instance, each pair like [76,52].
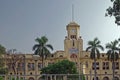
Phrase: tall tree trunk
[42,59]
[14,70]
[95,75]
[113,65]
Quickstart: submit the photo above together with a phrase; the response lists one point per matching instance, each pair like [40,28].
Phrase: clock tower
[73,43]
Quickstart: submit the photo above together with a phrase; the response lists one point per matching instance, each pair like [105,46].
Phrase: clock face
[73,31]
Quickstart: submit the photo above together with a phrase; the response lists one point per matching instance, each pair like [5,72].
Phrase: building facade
[73,51]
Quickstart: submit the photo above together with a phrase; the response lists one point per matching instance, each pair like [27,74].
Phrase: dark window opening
[73,36]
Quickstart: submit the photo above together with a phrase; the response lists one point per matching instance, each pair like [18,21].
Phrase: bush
[1,78]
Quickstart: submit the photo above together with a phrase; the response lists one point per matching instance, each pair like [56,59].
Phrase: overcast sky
[21,21]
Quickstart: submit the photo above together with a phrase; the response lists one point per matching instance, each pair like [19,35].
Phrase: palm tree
[113,53]
[42,48]
[93,47]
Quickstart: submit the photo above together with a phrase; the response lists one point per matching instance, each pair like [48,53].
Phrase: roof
[73,23]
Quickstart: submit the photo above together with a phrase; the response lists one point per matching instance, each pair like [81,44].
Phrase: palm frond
[94,47]
[38,40]
[49,46]
[88,48]
[90,43]
[35,46]
[108,46]
[100,47]
[44,39]
[95,39]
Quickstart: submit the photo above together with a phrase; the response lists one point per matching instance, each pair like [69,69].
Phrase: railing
[59,77]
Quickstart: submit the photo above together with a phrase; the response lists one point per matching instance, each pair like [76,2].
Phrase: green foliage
[93,47]
[42,48]
[113,53]
[17,78]
[114,10]
[1,62]
[113,50]
[2,49]
[76,77]
[61,67]
[1,78]
[3,70]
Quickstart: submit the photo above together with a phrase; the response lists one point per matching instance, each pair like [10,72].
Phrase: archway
[31,78]
[106,78]
[116,78]
[96,78]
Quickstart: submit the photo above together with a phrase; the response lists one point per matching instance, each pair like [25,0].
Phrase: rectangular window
[97,65]
[20,66]
[31,66]
[116,65]
[73,36]
[39,66]
[10,66]
[105,65]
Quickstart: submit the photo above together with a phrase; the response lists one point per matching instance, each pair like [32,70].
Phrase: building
[73,51]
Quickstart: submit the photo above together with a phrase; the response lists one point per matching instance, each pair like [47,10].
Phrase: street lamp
[36,57]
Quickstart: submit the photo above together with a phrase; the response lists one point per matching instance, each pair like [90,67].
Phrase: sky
[22,21]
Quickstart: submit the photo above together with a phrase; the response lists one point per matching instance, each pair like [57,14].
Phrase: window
[97,65]
[73,43]
[52,55]
[73,56]
[105,65]
[116,65]
[96,78]
[31,66]
[61,56]
[102,55]
[10,66]
[73,36]
[39,66]
[86,64]
[20,66]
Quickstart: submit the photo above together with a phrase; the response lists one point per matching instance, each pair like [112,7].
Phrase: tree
[17,78]
[113,53]
[114,11]
[1,78]
[2,49]
[93,47]
[61,67]
[3,70]
[42,48]
[13,60]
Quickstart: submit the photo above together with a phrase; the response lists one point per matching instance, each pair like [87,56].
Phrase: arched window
[116,78]
[73,56]
[106,78]
[96,78]
[31,78]
[61,56]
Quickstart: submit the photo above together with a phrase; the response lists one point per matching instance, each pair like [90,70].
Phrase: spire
[72,12]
